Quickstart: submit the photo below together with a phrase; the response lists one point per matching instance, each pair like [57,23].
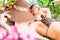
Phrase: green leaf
[0,3]
[11,0]
[43,2]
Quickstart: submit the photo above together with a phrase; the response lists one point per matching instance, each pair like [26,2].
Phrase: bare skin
[53,31]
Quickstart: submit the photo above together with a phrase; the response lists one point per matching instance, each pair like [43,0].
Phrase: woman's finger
[5,14]
[3,17]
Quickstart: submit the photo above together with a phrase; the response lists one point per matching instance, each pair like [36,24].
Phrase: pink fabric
[13,34]
[28,32]
[2,33]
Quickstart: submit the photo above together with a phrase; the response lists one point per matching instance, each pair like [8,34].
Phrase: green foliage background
[11,0]
[0,3]
[54,8]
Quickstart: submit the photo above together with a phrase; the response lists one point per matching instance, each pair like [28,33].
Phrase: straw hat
[22,3]
[21,16]
[57,1]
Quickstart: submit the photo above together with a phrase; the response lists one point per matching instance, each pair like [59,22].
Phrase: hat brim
[21,16]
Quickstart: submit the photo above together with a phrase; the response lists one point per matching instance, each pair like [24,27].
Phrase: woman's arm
[41,28]
[47,12]
[53,31]
[45,31]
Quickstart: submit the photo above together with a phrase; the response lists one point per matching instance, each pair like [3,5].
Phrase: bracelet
[47,31]
[47,36]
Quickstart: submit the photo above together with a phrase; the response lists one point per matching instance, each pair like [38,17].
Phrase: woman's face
[36,9]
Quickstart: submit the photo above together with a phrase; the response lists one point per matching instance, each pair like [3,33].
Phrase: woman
[23,23]
[50,31]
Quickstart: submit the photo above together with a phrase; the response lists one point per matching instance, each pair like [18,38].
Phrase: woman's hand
[3,19]
[47,12]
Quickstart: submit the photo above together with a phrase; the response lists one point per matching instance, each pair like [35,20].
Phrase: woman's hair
[32,6]
[30,9]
